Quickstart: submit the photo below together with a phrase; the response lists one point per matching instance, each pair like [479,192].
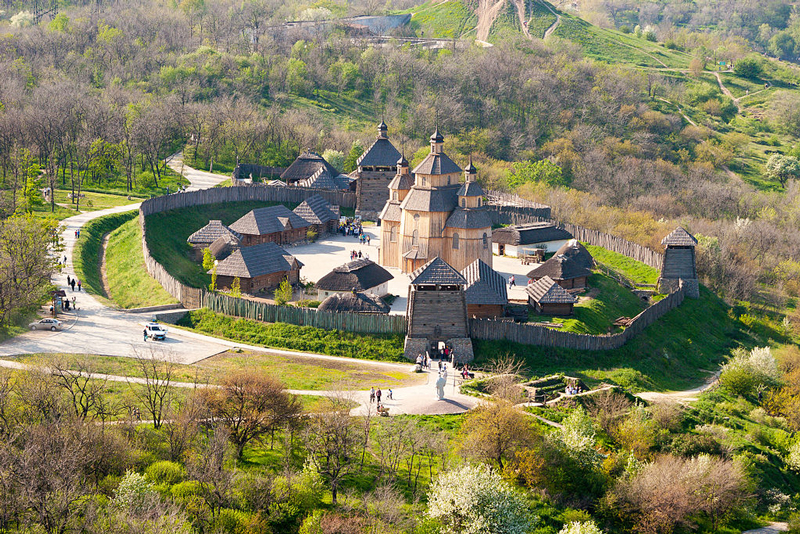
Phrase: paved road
[197,178]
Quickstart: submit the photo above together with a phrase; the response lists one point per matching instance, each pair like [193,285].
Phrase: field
[93,201]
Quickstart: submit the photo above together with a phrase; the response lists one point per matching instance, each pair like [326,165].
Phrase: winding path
[549,31]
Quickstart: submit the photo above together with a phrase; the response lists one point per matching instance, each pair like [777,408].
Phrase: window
[455,241]
[463,202]
[448,180]
[393,234]
[479,201]
[394,195]
[424,181]
[415,238]
[485,241]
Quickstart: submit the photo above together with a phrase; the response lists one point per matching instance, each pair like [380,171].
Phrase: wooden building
[573,250]
[512,240]
[259,267]
[438,216]
[354,302]
[437,310]
[376,168]
[564,270]
[225,246]
[310,168]
[679,263]
[486,292]
[361,275]
[273,224]
[324,218]
[205,236]
[547,297]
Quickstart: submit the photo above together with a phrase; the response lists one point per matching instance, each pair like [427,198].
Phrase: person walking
[371,395]
[72,284]
[378,395]
[389,394]
[79,285]
[368,240]
[68,280]
[144,333]
[512,281]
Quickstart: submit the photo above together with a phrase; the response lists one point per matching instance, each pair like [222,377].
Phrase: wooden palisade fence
[271,313]
[532,334]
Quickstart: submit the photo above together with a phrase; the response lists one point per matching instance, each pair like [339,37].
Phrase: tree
[349,164]
[493,431]
[783,168]
[209,467]
[542,171]
[746,371]
[283,293]
[208,259]
[783,46]
[250,405]
[580,527]
[236,287]
[749,67]
[25,263]
[83,389]
[332,441]
[474,499]
[155,393]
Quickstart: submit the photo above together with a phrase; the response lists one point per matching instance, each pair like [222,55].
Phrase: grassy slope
[667,355]
[450,19]
[167,233]
[540,19]
[301,338]
[631,269]
[86,254]
[129,284]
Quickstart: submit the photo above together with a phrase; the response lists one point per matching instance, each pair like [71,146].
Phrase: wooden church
[430,214]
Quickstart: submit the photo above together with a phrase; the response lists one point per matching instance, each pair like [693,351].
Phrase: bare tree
[155,393]
[250,405]
[608,408]
[209,467]
[505,384]
[493,431]
[82,387]
[332,441]
[183,425]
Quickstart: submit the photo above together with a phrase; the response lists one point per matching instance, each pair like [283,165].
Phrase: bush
[166,473]
[749,67]
[584,527]
[746,371]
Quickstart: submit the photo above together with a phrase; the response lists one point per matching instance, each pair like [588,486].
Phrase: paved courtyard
[321,257]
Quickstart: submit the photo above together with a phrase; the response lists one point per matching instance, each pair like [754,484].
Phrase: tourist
[511,281]
[144,332]
[359,254]
[74,307]
[389,395]
[79,285]
[378,395]
[72,284]
[65,259]
[371,395]
[68,280]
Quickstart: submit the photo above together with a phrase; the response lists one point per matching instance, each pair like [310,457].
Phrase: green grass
[452,19]
[540,19]
[300,338]
[635,271]
[129,283]
[595,315]
[296,372]
[86,253]
[674,353]
[94,201]
[167,233]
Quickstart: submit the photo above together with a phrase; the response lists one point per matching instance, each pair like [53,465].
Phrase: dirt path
[681,397]
[684,115]
[772,528]
[103,274]
[549,31]
[520,6]
[487,12]
[727,92]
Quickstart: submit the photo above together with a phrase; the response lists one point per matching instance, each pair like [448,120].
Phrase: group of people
[67,305]
[376,395]
[573,389]
[72,282]
[357,255]
[351,227]
[77,233]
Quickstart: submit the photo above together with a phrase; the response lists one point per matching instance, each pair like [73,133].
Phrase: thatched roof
[547,291]
[577,252]
[262,221]
[437,271]
[484,284]
[679,238]
[559,268]
[210,233]
[224,246]
[305,166]
[530,234]
[354,303]
[358,275]
[316,210]
[258,260]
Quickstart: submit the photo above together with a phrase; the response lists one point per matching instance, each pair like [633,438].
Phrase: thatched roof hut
[354,302]
[546,296]
[574,250]
[564,270]
[359,275]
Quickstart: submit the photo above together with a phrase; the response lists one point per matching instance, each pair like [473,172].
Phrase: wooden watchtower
[679,263]
[437,311]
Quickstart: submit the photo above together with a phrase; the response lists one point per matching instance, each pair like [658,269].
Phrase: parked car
[155,331]
[46,324]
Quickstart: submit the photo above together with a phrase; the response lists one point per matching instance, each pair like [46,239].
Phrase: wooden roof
[437,163]
[358,275]
[530,234]
[547,291]
[560,268]
[437,271]
[210,233]
[223,246]
[354,303]
[679,238]
[316,210]
[258,260]
[577,252]
[484,284]
[470,218]
[436,200]
[391,211]
[402,182]
[262,221]
[324,179]
[470,189]
[381,153]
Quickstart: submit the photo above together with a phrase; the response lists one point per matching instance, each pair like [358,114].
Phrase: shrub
[134,493]
[283,294]
[584,527]
[746,371]
[474,499]
[749,67]
[166,473]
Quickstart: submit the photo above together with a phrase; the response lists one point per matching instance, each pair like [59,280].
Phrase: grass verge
[300,338]
[86,254]
[635,271]
[129,284]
